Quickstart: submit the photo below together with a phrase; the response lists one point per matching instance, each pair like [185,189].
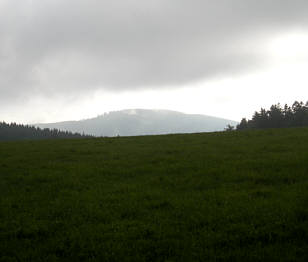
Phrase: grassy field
[224,196]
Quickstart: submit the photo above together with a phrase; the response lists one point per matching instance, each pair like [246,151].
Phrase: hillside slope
[225,196]
[135,122]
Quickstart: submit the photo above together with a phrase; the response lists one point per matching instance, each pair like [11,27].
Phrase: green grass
[225,196]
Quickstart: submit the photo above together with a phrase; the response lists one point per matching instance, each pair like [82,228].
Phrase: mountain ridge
[134,122]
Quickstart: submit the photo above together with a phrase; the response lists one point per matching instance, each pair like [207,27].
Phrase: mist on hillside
[133,122]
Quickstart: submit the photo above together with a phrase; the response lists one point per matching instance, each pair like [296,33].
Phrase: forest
[15,131]
[277,116]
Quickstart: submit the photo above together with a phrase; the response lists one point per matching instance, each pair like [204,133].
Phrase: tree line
[15,131]
[277,116]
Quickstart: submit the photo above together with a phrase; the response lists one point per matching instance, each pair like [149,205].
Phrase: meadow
[225,196]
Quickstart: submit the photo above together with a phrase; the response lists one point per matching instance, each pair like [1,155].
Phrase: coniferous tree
[243,124]
[15,131]
[288,116]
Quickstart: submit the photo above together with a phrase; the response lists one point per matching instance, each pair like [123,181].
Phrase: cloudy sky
[74,59]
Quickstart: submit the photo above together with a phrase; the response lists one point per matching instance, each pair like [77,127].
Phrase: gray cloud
[73,46]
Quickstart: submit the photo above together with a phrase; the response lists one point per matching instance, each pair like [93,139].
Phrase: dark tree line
[277,116]
[15,131]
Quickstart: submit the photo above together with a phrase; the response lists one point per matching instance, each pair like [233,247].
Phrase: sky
[76,59]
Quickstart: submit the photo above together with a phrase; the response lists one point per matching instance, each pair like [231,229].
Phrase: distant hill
[13,131]
[133,122]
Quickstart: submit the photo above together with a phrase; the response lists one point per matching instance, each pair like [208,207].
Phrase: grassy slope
[237,195]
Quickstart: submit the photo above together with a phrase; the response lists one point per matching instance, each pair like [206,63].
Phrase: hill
[226,196]
[134,122]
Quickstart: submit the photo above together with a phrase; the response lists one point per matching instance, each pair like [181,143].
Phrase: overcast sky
[74,59]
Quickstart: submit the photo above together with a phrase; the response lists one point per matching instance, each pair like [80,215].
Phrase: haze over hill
[133,122]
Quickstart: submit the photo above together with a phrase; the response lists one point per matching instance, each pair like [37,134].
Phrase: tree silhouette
[229,128]
[288,116]
[15,131]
